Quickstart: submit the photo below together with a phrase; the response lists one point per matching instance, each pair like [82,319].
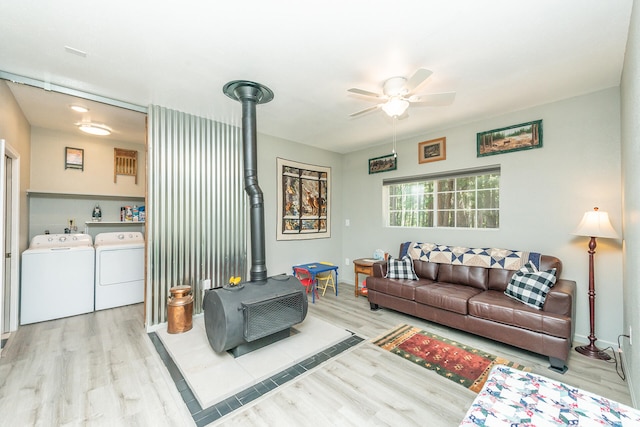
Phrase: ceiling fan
[398,93]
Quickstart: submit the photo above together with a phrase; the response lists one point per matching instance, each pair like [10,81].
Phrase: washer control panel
[44,241]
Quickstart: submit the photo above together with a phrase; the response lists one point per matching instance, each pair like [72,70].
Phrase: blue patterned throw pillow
[530,286]
[401,269]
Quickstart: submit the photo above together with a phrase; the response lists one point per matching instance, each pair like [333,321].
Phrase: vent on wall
[125,162]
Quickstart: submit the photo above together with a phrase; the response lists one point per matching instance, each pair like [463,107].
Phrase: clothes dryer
[119,273]
[57,277]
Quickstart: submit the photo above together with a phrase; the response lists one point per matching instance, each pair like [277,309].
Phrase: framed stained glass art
[303,201]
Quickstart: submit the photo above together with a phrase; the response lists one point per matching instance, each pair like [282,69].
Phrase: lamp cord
[614,359]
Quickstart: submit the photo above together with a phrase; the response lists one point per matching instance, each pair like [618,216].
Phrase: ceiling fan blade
[417,79]
[433,99]
[366,93]
[366,110]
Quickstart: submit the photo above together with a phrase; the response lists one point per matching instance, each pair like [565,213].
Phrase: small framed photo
[433,150]
[383,163]
[73,158]
[524,136]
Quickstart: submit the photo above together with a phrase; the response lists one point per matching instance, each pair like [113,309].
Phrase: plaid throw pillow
[530,286]
[401,269]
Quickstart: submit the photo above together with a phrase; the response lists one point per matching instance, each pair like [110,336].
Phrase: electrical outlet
[346,261]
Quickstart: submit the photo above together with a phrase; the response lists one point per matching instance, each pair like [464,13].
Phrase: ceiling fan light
[395,107]
[94,129]
[79,108]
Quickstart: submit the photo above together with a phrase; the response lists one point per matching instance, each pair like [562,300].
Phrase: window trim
[460,173]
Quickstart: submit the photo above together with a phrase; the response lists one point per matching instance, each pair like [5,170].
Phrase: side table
[362,266]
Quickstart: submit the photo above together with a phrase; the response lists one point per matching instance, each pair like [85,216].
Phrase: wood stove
[250,315]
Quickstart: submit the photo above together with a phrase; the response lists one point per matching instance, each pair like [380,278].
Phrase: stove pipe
[250,94]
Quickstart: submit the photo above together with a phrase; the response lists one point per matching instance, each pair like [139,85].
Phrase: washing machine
[119,275]
[57,277]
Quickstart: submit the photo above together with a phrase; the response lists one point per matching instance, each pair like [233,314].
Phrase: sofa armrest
[380,268]
[560,299]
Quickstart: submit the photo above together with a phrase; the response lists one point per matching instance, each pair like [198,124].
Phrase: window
[464,199]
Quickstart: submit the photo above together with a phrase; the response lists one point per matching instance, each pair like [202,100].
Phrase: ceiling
[497,55]
[51,110]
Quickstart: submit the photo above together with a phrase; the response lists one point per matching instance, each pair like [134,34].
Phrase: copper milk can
[180,310]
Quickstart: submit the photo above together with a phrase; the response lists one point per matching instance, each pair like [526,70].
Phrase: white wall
[15,130]
[281,255]
[48,172]
[544,193]
[630,94]
[52,214]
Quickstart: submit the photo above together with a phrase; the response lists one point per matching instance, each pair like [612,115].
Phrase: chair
[325,280]
[305,278]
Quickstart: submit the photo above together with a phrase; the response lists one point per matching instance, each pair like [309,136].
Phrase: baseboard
[629,377]
[153,328]
[601,344]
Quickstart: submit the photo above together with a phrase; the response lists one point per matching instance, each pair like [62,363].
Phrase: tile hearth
[213,385]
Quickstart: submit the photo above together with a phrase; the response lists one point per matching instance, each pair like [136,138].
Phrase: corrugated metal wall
[196,207]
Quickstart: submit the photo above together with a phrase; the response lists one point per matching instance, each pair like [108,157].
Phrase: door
[9,231]
[4,325]
[6,284]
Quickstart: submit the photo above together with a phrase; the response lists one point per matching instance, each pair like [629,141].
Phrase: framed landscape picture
[433,150]
[524,136]
[383,163]
[73,158]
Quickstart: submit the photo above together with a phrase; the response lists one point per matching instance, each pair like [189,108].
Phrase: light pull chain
[395,118]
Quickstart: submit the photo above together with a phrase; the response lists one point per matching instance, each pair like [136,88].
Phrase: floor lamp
[594,224]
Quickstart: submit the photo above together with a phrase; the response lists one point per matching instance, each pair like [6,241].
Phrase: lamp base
[593,352]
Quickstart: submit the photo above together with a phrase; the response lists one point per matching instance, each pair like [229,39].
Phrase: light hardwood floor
[101,369]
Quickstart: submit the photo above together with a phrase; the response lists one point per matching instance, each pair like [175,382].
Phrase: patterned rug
[458,362]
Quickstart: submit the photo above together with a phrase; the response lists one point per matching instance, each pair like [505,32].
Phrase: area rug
[458,362]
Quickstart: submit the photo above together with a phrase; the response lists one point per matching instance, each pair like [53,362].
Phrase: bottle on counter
[96,215]
[128,215]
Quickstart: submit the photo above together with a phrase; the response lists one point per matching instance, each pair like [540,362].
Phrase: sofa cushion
[425,269]
[446,296]
[497,307]
[401,288]
[401,269]
[475,277]
[499,279]
[531,286]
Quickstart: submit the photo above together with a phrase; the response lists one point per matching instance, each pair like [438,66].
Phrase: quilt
[477,257]
[515,398]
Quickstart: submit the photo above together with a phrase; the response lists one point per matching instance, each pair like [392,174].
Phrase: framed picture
[73,158]
[525,136]
[303,201]
[433,150]
[383,163]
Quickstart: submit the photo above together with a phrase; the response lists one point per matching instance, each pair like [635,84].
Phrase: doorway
[49,113]
[9,236]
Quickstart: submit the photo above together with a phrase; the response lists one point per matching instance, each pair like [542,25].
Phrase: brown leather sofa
[472,299]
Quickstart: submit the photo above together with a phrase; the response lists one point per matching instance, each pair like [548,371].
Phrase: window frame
[433,210]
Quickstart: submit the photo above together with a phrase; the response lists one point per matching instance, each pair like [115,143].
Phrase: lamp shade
[395,107]
[596,223]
